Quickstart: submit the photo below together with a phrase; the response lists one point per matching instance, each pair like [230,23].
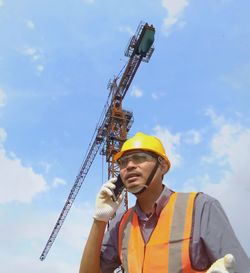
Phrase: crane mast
[114,123]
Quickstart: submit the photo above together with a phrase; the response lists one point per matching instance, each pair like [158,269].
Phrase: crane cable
[118,76]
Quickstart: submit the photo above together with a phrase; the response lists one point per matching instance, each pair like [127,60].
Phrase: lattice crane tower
[114,123]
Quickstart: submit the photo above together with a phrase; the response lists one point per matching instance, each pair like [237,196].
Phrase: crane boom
[114,123]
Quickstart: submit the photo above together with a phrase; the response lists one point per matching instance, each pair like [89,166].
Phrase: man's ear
[163,165]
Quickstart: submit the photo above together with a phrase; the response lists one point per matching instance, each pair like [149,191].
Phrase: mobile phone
[118,189]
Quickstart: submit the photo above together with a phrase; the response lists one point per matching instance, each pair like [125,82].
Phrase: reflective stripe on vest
[167,250]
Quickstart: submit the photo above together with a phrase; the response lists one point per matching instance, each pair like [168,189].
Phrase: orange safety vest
[167,250]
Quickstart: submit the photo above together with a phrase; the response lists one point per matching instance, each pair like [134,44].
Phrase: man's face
[135,168]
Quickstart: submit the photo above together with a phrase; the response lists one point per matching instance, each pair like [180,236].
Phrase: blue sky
[56,58]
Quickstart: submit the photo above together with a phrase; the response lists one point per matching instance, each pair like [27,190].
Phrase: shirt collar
[159,204]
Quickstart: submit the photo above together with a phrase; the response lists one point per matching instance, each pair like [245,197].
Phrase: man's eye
[140,158]
[124,161]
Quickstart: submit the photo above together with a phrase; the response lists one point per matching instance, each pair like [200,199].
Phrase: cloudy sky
[56,58]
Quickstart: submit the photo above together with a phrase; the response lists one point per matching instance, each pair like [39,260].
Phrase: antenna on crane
[114,123]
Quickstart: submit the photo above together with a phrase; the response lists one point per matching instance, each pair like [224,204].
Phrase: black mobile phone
[119,188]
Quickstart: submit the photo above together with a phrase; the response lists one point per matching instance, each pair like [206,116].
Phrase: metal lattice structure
[114,123]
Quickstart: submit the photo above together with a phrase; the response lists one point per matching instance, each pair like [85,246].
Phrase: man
[165,231]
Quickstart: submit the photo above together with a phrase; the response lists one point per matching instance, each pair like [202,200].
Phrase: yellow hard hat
[143,142]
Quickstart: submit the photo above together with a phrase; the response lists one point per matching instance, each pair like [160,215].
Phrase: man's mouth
[131,177]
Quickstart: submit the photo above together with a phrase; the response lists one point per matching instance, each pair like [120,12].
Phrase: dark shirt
[212,235]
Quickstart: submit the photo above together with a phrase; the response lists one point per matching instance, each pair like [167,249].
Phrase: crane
[114,124]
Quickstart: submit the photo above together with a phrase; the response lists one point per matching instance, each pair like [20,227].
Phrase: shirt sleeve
[213,236]
[109,252]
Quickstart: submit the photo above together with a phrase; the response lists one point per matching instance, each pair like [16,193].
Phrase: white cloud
[192,137]
[3,136]
[27,229]
[228,160]
[136,92]
[191,183]
[33,52]
[30,24]
[45,165]
[216,120]
[157,96]
[3,98]
[1,3]
[36,55]
[58,182]
[127,30]
[238,79]
[226,135]
[40,69]
[171,143]
[174,10]
[233,188]
[18,183]
[79,227]
[230,146]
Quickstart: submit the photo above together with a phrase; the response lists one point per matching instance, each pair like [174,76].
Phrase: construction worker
[165,231]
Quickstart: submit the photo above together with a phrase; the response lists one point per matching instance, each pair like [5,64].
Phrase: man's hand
[105,206]
[223,265]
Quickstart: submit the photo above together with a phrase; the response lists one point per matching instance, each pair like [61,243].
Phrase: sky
[56,59]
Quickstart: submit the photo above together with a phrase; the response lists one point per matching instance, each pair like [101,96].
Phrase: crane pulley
[114,123]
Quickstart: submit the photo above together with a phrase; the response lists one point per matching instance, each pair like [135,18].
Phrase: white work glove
[105,207]
[223,265]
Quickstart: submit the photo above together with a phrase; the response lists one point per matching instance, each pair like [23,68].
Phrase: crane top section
[141,43]
[140,48]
